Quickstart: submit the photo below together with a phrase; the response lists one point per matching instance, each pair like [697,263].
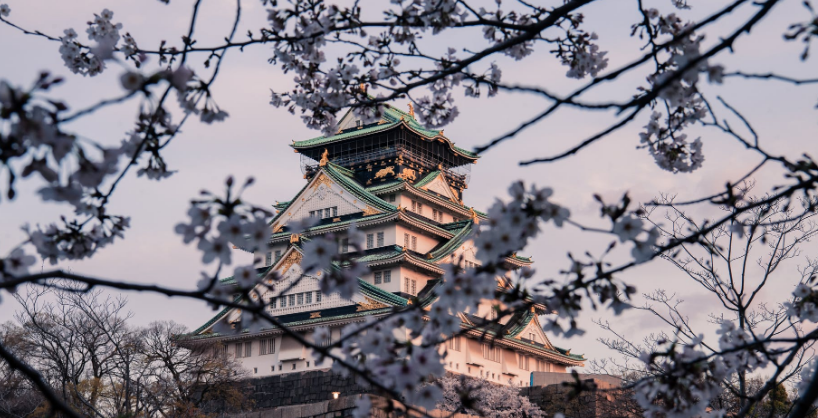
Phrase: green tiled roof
[393,117]
[319,228]
[426,179]
[379,187]
[345,178]
[451,245]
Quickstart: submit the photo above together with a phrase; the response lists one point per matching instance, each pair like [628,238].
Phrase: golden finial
[324,158]
[441,132]
[294,238]
[474,216]
[403,249]
[411,110]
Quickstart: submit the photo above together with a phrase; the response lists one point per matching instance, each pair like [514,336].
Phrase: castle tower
[403,186]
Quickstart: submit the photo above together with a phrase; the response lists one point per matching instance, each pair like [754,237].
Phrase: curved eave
[403,122]
[407,258]
[429,196]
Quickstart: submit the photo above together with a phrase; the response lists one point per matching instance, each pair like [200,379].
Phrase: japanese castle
[403,186]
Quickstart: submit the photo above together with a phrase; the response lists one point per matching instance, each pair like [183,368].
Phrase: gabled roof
[391,118]
[394,186]
[345,179]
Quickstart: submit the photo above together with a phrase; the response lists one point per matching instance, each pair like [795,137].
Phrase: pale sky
[254,142]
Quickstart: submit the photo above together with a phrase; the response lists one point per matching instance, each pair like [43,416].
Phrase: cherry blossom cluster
[300,34]
[399,365]
[83,60]
[339,271]
[683,382]
[218,223]
[675,81]
[804,304]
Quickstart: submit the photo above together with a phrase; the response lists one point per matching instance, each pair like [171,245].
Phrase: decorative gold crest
[407,174]
[322,179]
[384,172]
[314,315]
[293,258]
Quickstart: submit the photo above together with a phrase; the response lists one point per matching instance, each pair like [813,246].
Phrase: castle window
[238,350]
[273,303]
[414,243]
[410,286]
[406,240]
[453,343]
[300,298]
[283,302]
[255,370]
[312,214]
[335,211]
[268,259]
[293,366]
[278,255]
[378,277]
[387,276]
[380,239]
[359,123]
[391,198]
[491,353]
[248,349]
[327,212]
[345,245]
[308,298]
[317,297]
[292,300]
[267,346]
[522,362]
[370,241]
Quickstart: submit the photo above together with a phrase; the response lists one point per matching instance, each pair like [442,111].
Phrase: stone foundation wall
[310,395]
[301,388]
[600,400]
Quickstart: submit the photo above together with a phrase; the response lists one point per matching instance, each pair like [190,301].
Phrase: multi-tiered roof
[365,164]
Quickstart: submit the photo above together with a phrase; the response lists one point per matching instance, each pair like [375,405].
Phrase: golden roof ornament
[294,238]
[474,216]
[324,158]
[411,110]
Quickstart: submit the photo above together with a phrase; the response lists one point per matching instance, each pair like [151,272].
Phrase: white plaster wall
[455,361]
[425,242]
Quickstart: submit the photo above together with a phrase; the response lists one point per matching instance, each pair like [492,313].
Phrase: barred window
[308,298]
[491,353]
[454,343]
[378,278]
[414,287]
[414,243]
[267,346]
[248,349]
[380,239]
[268,259]
[238,351]
[284,301]
[406,285]
[292,300]
[278,255]
[317,297]
[300,298]
[369,241]
[522,361]
[391,198]
[335,211]
[406,240]
[273,303]
[387,276]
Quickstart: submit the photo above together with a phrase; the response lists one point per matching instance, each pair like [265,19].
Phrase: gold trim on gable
[322,179]
[369,210]
[293,258]
[369,305]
